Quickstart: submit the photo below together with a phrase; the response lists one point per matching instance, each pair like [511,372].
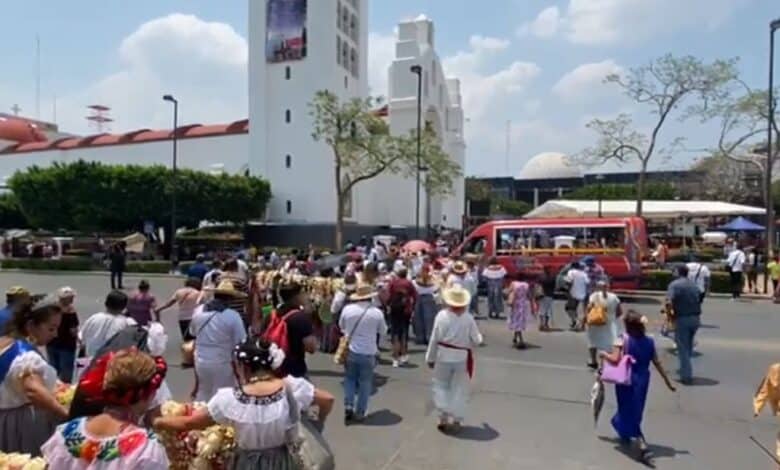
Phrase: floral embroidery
[105,450]
[255,400]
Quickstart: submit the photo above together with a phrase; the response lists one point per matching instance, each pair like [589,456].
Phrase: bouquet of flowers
[64,394]
[209,449]
[17,461]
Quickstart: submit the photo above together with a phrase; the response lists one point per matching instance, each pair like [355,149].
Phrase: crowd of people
[267,325]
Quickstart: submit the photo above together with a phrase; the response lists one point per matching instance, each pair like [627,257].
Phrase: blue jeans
[62,360]
[685,331]
[358,379]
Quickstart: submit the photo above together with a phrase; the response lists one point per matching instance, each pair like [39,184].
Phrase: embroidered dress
[521,307]
[72,447]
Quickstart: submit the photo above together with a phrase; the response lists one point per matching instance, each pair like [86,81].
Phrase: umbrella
[597,399]
[416,246]
[741,224]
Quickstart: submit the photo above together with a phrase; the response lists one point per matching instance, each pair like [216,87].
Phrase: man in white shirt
[700,275]
[735,265]
[361,321]
[578,282]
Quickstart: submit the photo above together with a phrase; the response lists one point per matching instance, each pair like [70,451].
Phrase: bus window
[475,246]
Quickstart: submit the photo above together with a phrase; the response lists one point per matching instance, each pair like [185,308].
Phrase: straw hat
[226,287]
[363,292]
[456,296]
[460,267]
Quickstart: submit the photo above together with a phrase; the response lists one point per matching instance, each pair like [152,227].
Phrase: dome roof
[19,130]
[549,165]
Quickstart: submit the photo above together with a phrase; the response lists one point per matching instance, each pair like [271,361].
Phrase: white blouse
[11,393]
[260,422]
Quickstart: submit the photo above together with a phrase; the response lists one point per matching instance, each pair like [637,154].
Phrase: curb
[717,295]
[56,272]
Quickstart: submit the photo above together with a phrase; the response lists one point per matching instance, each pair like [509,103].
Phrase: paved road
[529,409]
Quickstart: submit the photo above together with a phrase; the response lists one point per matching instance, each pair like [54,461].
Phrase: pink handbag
[620,373]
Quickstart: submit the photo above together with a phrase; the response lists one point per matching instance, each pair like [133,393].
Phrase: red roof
[19,130]
[39,143]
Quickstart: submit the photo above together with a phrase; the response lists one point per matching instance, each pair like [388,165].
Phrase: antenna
[37,76]
[99,118]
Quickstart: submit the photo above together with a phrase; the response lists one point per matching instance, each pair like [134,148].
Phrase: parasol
[597,399]
[416,246]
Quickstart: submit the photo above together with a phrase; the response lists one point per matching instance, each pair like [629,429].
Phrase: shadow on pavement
[656,451]
[482,433]
[709,327]
[703,382]
[326,373]
[382,418]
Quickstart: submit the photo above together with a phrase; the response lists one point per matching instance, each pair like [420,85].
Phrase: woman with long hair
[426,308]
[631,399]
[29,410]
[259,408]
[125,382]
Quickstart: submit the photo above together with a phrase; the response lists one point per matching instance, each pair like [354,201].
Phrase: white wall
[309,183]
[226,153]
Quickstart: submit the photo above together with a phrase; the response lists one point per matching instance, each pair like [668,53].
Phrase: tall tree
[728,179]
[364,149]
[664,86]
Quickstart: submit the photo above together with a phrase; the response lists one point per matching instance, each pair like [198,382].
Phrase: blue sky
[536,63]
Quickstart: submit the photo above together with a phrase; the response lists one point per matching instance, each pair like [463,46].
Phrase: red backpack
[276,332]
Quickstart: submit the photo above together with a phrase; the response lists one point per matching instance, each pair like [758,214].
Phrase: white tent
[650,209]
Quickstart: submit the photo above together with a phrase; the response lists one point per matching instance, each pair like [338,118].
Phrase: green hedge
[660,279]
[62,264]
[158,267]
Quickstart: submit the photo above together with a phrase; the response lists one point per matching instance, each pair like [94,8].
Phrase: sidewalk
[57,272]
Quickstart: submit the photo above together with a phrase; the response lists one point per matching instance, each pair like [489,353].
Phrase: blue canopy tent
[741,224]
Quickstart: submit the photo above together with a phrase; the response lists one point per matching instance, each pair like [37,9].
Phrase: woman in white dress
[603,337]
[29,410]
[259,409]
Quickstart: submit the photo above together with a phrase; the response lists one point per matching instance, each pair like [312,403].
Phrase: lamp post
[417,70]
[174,137]
[599,179]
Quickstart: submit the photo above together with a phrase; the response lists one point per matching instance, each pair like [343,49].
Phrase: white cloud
[203,64]
[381,52]
[486,43]
[596,22]
[585,82]
[545,25]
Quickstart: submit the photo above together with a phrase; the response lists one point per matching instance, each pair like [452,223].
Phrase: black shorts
[399,326]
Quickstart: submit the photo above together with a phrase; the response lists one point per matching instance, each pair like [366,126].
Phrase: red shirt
[404,287]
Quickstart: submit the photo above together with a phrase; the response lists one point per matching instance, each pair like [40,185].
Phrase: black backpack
[133,335]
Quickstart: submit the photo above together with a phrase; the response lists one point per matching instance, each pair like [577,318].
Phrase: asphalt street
[529,409]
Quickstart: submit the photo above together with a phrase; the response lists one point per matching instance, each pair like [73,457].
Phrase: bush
[660,279]
[63,264]
[153,267]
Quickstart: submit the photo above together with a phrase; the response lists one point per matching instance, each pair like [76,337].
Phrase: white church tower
[296,48]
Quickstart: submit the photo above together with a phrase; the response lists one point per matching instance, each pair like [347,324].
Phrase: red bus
[525,246]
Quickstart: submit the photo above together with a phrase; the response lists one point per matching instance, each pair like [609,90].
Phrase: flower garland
[16,461]
[208,449]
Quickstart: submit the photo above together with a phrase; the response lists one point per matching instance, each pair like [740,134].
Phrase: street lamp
[417,69]
[599,179]
[174,137]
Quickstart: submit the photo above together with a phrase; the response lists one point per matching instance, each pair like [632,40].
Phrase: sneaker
[405,359]
[395,363]
[349,415]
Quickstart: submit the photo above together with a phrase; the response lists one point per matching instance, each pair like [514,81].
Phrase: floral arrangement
[209,449]
[64,394]
[17,461]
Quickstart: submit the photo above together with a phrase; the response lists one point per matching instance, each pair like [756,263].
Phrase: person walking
[16,297]
[198,269]
[425,308]
[102,326]
[188,298]
[472,285]
[578,283]
[683,295]
[403,297]
[301,339]
[602,337]
[494,275]
[632,398]
[449,354]
[548,283]
[773,269]
[217,330]
[700,274]
[521,304]
[361,322]
[735,264]
[117,260]
[62,349]
[232,272]
[142,304]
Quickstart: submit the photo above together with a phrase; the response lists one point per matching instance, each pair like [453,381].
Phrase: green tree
[612,192]
[90,196]
[664,85]
[503,206]
[477,190]
[11,215]
[364,149]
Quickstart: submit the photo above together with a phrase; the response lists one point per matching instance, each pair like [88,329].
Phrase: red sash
[469,357]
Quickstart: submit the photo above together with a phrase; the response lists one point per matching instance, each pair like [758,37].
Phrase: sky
[530,69]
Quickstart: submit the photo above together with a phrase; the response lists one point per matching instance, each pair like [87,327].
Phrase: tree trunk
[640,188]
[339,223]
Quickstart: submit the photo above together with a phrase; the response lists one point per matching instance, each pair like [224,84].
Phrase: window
[338,49]
[287,116]
[353,62]
[338,15]
[475,246]
[287,73]
[288,161]
[353,28]
[345,54]
[289,206]
[346,82]
[345,20]
[425,83]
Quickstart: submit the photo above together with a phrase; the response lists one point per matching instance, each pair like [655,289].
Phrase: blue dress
[631,398]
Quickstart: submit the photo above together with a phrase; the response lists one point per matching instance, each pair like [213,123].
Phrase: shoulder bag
[620,373]
[340,356]
[306,445]
[597,314]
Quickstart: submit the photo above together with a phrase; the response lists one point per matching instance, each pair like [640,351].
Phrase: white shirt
[363,339]
[243,269]
[579,283]
[736,260]
[11,394]
[216,339]
[339,299]
[699,274]
[457,330]
[101,327]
